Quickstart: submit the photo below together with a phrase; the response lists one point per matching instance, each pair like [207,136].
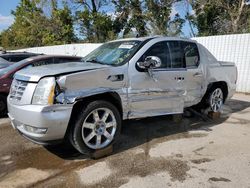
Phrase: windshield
[113,53]
[13,66]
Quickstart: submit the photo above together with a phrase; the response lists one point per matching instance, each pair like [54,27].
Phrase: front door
[162,91]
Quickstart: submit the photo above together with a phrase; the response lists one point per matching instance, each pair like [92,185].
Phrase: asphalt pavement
[152,152]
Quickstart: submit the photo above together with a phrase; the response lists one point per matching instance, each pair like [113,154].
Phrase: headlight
[45,91]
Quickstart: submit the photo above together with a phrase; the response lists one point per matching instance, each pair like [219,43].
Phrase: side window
[5,58]
[191,54]
[160,50]
[43,62]
[16,58]
[176,54]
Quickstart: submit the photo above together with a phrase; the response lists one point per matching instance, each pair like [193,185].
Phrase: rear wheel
[97,126]
[213,100]
[216,99]
[3,106]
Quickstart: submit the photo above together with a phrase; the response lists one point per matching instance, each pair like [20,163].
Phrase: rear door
[195,80]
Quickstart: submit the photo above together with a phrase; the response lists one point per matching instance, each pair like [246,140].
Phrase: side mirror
[151,62]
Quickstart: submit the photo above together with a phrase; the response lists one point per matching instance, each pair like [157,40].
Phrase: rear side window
[176,54]
[191,54]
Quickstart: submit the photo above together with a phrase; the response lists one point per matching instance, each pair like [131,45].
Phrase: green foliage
[137,20]
[32,28]
[0,39]
[42,22]
[216,17]
[158,14]
[94,25]
[62,24]
[175,26]
[97,27]
[149,17]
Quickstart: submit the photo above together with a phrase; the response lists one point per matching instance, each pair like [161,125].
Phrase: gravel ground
[153,152]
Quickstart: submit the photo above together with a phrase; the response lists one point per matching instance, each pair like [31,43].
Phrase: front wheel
[97,126]
[216,99]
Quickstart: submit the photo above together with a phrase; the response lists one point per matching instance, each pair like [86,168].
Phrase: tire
[216,99]
[90,132]
[206,103]
[3,106]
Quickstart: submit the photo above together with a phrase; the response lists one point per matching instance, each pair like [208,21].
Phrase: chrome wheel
[216,100]
[99,128]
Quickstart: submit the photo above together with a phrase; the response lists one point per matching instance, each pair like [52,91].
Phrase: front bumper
[53,118]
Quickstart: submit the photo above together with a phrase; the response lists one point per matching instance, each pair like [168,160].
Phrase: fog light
[34,129]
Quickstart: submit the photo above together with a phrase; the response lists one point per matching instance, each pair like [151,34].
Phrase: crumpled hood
[34,74]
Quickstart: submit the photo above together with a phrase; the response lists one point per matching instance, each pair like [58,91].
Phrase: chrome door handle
[197,74]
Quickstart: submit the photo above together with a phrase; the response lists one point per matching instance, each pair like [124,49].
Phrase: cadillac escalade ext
[85,102]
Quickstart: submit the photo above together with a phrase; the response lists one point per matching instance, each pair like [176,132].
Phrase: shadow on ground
[156,129]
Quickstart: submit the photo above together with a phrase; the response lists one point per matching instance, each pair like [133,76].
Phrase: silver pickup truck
[86,101]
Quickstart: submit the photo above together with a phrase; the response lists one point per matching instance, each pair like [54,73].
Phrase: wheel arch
[221,84]
[112,97]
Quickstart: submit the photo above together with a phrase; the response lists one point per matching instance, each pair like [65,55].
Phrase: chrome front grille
[17,89]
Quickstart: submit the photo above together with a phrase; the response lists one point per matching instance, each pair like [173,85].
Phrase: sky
[6,19]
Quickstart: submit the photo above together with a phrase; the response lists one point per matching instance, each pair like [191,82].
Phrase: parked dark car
[17,56]
[8,58]
[6,74]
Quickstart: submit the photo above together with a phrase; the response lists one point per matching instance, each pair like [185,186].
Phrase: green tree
[147,17]
[32,27]
[122,14]
[137,20]
[60,28]
[175,26]
[215,17]
[27,27]
[158,13]
[94,25]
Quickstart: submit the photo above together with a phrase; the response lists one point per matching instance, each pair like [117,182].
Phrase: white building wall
[234,48]
[68,49]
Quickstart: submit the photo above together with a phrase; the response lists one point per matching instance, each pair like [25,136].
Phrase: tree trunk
[94,9]
[235,22]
